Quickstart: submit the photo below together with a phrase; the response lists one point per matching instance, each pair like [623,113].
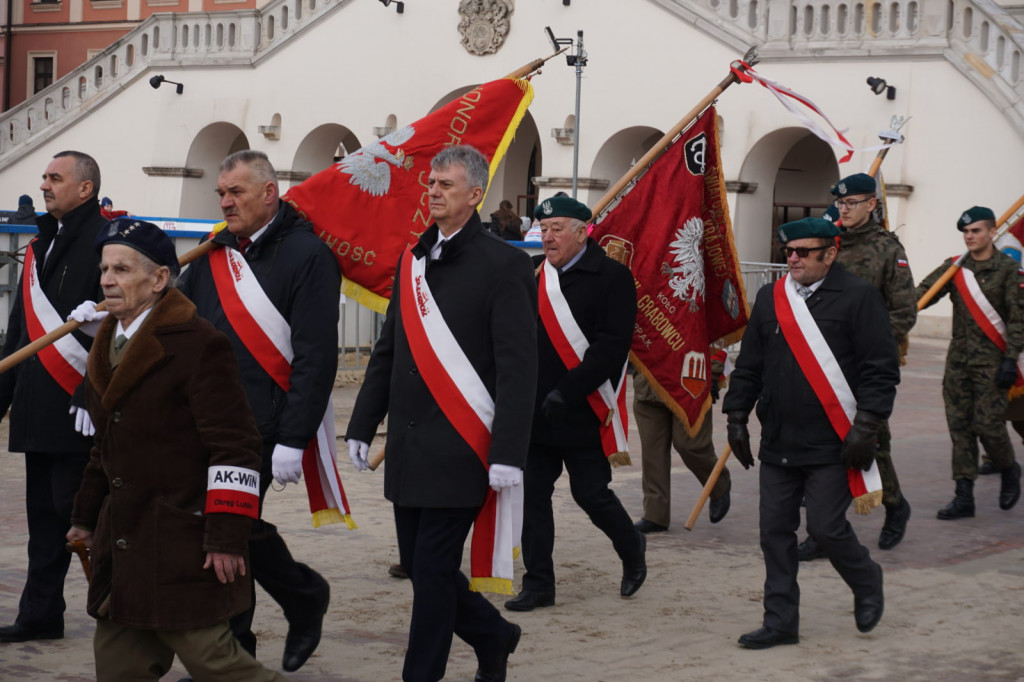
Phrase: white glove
[83,422]
[503,476]
[358,451]
[287,464]
[87,315]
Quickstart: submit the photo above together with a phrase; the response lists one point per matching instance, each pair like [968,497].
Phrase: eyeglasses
[850,203]
[801,251]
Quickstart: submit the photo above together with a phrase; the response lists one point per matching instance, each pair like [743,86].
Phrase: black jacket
[302,279]
[794,428]
[485,290]
[39,406]
[601,293]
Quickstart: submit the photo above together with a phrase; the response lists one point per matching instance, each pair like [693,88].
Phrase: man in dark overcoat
[485,292]
[39,390]
[819,316]
[600,294]
[171,487]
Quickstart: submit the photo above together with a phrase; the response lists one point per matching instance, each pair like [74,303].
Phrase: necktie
[803,291]
[119,342]
[243,244]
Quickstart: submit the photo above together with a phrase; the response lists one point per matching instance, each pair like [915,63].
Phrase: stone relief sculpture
[484,24]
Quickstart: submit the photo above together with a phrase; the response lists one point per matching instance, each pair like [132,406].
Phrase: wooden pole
[1003,224]
[27,351]
[527,69]
[712,480]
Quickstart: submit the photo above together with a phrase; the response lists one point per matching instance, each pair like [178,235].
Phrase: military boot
[1009,489]
[962,506]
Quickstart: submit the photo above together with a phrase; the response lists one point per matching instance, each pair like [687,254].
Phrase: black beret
[805,228]
[146,238]
[24,200]
[562,207]
[973,215]
[859,183]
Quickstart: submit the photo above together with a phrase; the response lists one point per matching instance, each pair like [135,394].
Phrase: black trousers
[51,483]
[430,545]
[826,492]
[589,476]
[301,592]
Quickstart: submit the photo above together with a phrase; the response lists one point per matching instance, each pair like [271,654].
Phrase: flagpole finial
[751,58]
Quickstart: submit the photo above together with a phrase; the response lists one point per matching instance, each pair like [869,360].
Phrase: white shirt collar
[134,326]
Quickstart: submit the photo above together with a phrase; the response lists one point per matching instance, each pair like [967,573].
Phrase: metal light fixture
[158,80]
[878,86]
[399,6]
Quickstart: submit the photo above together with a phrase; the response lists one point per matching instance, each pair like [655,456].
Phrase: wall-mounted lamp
[157,80]
[566,2]
[399,6]
[878,86]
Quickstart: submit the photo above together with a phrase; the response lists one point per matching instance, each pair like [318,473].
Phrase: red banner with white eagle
[372,204]
[671,228]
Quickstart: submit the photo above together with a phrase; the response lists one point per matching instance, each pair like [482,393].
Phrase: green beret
[562,207]
[831,214]
[859,183]
[973,215]
[805,228]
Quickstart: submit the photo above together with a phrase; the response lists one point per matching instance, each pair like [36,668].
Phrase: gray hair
[478,171]
[86,169]
[256,161]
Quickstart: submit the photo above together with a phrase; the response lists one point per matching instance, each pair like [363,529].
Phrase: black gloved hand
[739,438]
[714,390]
[859,447]
[553,406]
[1006,375]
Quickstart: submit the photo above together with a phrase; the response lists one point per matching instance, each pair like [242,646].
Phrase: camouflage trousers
[975,410]
[891,493]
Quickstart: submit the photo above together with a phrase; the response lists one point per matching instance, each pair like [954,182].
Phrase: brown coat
[173,407]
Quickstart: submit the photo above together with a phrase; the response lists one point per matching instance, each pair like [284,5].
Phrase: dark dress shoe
[867,611]
[634,573]
[766,637]
[19,633]
[302,639]
[719,508]
[496,670]
[1009,489]
[528,600]
[396,571]
[808,550]
[895,525]
[645,526]
[987,468]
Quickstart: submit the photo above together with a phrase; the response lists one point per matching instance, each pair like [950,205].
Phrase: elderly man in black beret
[820,363]
[590,300]
[172,484]
[981,364]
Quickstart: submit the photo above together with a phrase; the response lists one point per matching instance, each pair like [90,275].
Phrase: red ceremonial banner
[671,228]
[370,206]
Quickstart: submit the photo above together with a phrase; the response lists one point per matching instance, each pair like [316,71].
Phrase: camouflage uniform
[872,253]
[975,407]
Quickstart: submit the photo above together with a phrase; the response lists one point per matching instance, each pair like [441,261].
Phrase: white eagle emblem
[687,269]
[370,166]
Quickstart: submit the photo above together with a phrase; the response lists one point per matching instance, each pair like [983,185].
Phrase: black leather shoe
[987,468]
[396,571]
[528,600]
[867,611]
[302,639]
[962,506]
[895,525]
[1009,489]
[645,526]
[496,670]
[634,573]
[808,550]
[719,508]
[19,633]
[766,637]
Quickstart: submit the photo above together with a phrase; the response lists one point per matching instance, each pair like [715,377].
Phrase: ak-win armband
[233,490]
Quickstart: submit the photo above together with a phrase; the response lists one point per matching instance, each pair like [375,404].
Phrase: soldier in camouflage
[978,372]
[869,251]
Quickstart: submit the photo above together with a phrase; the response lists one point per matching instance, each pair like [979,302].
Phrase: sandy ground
[954,590]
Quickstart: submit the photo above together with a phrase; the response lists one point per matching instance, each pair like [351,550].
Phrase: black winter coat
[487,295]
[39,406]
[302,279]
[601,293]
[795,430]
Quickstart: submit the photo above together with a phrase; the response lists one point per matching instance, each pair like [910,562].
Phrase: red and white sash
[607,402]
[267,335]
[467,404]
[822,371]
[65,358]
[984,315]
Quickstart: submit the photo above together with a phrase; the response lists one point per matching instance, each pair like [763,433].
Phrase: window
[42,73]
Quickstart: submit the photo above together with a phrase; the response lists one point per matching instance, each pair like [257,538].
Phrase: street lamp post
[579,60]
